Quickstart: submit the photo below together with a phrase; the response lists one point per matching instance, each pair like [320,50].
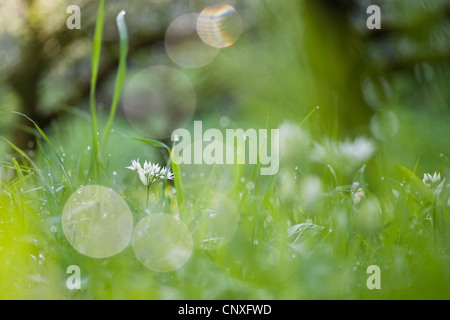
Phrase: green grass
[290,242]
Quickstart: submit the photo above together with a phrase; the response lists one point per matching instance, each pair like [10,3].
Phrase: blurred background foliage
[291,57]
[389,85]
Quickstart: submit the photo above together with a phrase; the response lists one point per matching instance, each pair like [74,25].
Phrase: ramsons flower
[357,193]
[151,172]
[434,182]
[344,156]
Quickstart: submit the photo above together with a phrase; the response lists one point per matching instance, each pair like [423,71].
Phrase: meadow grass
[305,233]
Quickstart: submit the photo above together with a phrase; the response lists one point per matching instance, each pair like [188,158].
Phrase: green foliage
[308,232]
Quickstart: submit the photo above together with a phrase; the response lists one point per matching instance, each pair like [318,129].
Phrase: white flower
[357,196]
[293,140]
[344,156]
[361,149]
[434,182]
[357,193]
[150,173]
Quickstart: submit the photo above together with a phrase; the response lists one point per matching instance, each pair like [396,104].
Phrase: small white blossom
[344,156]
[357,196]
[292,135]
[357,193]
[434,182]
[150,173]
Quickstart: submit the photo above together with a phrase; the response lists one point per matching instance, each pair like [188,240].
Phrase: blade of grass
[176,169]
[123,34]
[44,136]
[153,142]
[308,116]
[94,74]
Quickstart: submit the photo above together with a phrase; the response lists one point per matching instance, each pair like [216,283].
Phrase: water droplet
[115,173]
[89,147]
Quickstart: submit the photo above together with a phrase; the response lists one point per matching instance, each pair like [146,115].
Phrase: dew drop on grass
[115,173]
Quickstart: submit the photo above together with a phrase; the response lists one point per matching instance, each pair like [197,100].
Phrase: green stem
[95,66]
[123,33]
[148,193]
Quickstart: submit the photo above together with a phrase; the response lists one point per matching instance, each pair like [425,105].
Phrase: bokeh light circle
[215,224]
[183,45]
[158,100]
[376,92]
[219,25]
[97,221]
[384,125]
[162,243]
[199,5]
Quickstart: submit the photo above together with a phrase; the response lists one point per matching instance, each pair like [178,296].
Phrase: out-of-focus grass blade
[178,186]
[153,142]
[122,70]
[423,191]
[23,154]
[44,136]
[308,116]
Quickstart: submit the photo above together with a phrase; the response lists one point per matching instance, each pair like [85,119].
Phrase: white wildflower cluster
[292,135]
[357,192]
[345,155]
[434,182]
[150,173]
